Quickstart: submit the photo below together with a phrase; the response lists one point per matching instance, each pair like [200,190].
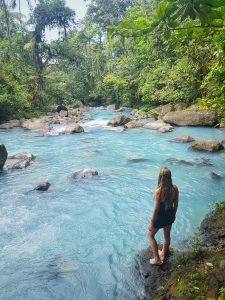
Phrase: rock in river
[119,120]
[159,125]
[19,161]
[3,155]
[200,161]
[208,145]
[75,128]
[182,139]
[134,124]
[37,124]
[43,187]
[84,174]
[190,117]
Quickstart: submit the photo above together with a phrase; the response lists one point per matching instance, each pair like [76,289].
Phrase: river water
[78,240]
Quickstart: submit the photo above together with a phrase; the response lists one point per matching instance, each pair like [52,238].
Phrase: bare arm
[176,199]
[156,205]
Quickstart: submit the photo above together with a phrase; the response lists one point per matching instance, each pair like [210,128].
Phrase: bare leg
[153,244]
[166,243]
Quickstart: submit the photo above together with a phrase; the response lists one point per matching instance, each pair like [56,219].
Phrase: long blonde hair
[165,185]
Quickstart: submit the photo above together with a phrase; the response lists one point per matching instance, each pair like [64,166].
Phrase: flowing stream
[78,240]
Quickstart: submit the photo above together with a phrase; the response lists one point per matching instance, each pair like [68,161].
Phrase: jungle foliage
[141,53]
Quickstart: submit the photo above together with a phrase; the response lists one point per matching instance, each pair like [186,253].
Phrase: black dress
[164,217]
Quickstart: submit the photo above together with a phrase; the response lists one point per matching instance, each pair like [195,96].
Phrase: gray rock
[38,124]
[134,124]
[19,161]
[119,120]
[44,186]
[159,125]
[200,161]
[162,110]
[216,176]
[182,139]
[10,124]
[84,174]
[3,155]
[208,145]
[75,128]
[212,228]
[191,117]
[137,160]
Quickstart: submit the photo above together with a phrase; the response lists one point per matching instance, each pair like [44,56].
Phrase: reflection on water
[78,240]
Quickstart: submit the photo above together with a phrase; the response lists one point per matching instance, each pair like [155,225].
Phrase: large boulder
[84,174]
[19,161]
[191,117]
[75,128]
[119,120]
[159,125]
[207,145]
[182,139]
[10,124]
[3,156]
[37,124]
[212,229]
[134,124]
[162,110]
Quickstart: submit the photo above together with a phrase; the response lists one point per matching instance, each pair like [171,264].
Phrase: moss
[196,278]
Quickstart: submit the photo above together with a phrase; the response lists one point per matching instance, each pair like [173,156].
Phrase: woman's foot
[161,255]
[154,261]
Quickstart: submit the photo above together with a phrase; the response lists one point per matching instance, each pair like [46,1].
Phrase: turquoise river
[79,239]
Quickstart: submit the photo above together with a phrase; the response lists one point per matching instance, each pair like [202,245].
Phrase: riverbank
[198,273]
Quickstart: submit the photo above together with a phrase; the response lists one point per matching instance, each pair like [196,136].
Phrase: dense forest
[140,53]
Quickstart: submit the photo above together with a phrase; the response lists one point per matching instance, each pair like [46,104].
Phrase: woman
[164,214]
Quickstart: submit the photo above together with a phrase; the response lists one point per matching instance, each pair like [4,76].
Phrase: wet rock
[212,228]
[137,160]
[134,124]
[19,161]
[216,176]
[152,276]
[119,120]
[75,128]
[165,129]
[208,145]
[38,124]
[200,161]
[190,117]
[84,174]
[43,187]
[3,155]
[182,139]
[11,124]
[158,125]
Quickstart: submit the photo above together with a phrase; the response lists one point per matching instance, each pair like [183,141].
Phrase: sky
[78,5]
